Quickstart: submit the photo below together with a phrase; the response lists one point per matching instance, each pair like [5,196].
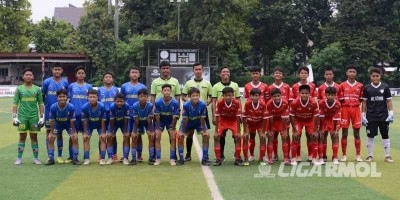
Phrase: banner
[7,90]
[183,74]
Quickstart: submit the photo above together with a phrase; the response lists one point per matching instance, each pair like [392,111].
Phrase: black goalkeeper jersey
[376,97]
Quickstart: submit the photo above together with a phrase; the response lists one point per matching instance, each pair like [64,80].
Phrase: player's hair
[227,90]
[142,91]
[62,91]
[275,91]
[224,67]
[108,73]
[255,69]
[255,91]
[279,69]
[330,90]
[80,67]
[120,95]
[27,70]
[304,87]
[134,68]
[303,68]
[328,69]
[56,64]
[375,70]
[197,64]
[351,66]
[164,64]
[193,90]
[165,86]
[93,91]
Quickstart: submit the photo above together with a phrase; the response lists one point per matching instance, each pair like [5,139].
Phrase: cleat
[321,161]
[389,159]
[298,159]
[115,158]
[286,162]
[205,163]
[179,163]
[238,162]
[172,162]
[246,163]
[188,158]
[309,159]
[132,162]
[18,161]
[68,160]
[314,161]
[358,158]
[125,161]
[86,162]
[275,158]
[343,159]
[222,157]
[139,158]
[151,161]
[262,163]
[293,162]
[60,160]
[102,162]
[217,162]
[369,159]
[109,161]
[265,159]
[325,158]
[36,161]
[50,162]
[335,161]
[251,159]
[157,162]
[76,162]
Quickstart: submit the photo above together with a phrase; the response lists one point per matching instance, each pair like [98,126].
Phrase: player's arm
[316,117]
[156,114]
[213,107]
[126,121]
[153,90]
[184,92]
[216,116]
[239,116]
[244,118]
[112,120]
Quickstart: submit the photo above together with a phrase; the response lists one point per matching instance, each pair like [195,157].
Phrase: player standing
[27,98]
[377,112]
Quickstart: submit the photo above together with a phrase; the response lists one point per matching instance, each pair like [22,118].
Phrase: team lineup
[268,111]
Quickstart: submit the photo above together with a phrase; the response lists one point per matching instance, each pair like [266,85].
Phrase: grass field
[142,181]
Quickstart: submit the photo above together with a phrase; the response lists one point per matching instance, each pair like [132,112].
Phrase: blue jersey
[50,88]
[93,116]
[62,116]
[166,110]
[78,96]
[119,114]
[194,113]
[131,92]
[106,96]
[142,114]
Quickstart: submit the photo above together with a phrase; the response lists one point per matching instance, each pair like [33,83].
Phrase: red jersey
[255,115]
[304,112]
[322,88]
[332,112]
[228,112]
[295,90]
[262,86]
[284,88]
[281,110]
[351,94]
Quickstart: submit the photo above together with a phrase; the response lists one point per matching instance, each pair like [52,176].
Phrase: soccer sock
[102,154]
[151,153]
[158,153]
[344,146]
[263,148]
[314,149]
[275,145]
[35,150]
[357,143]
[180,152]
[238,148]
[205,153]
[125,152]
[75,152]
[270,150]
[217,150]
[246,150]
[86,155]
[172,154]
[110,152]
[252,144]
[133,152]
[189,143]
[386,146]
[222,144]
[320,150]
[21,147]
[285,149]
[60,145]
[139,150]
[50,153]
[295,147]
[335,149]
[298,150]
[115,146]
[370,146]
[310,148]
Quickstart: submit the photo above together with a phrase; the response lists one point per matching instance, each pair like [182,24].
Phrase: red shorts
[278,125]
[254,127]
[352,114]
[327,125]
[227,125]
[309,126]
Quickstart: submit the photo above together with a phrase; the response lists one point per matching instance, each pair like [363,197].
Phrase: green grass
[63,181]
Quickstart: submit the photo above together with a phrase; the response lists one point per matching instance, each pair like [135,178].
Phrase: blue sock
[126,152]
[151,152]
[133,152]
[50,153]
[139,149]
[110,152]
[158,153]
[75,152]
[60,145]
[71,151]
[205,153]
[86,155]
[180,152]
[172,155]
[115,145]
[102,154]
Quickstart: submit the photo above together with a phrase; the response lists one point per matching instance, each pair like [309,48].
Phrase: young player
[350,97]
[255,83]
[142,112]
[278,115]
[166,114]
[50,87]
[304,113]
[254,121]
[130,90]
[106,95]
[62,117]
[227,117]
[329,113]
[28,97]
[205,95]
[285,95]
[119,117]
[94,117]
[377,112]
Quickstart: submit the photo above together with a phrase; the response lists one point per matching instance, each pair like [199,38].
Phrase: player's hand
[263,136]
[213,121]
[51,136]
[390,117]
[364,120]
[85,137]
[16,121]
[74,136]
[315,134]
[270,134]
[41,120]
[296,134]
[334,133]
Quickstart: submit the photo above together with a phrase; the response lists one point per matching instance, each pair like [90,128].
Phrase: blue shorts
[191,126]
[165,126]
[47,118]
[142,127]
[107,122]
[59,130]
[78,124]
[117,126]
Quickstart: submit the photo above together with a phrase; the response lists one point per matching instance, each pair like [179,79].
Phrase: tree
[284,58]
[14,25]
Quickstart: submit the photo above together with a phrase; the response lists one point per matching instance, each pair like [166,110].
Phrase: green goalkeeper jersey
[27,99]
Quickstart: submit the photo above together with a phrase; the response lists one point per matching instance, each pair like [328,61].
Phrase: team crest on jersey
[381,90]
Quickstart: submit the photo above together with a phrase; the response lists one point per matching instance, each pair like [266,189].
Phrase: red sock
[295,147]
[252,143]
[314,149]
[285,149]
[246,150]
[270,150]
[275,144]
[335,149]
[263,148]
[288,143]
[237,150]
[298,149]
[324,146]
[357,143]
[320,150]
[310,148]
[344,146]
[217,150]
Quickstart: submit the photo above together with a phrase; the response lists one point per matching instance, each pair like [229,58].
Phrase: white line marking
[212,185]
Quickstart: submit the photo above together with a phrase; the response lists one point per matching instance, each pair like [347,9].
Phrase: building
[71,14]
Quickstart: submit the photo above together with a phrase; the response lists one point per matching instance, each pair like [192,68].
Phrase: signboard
[178,56]
[7,90]
[183,74]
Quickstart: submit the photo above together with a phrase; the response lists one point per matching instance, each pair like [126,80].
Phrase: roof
[177,44]
[70,14]
[48,57]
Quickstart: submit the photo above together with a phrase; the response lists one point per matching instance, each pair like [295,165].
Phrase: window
[3,71]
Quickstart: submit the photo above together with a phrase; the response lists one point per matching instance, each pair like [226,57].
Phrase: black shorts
[372,129]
